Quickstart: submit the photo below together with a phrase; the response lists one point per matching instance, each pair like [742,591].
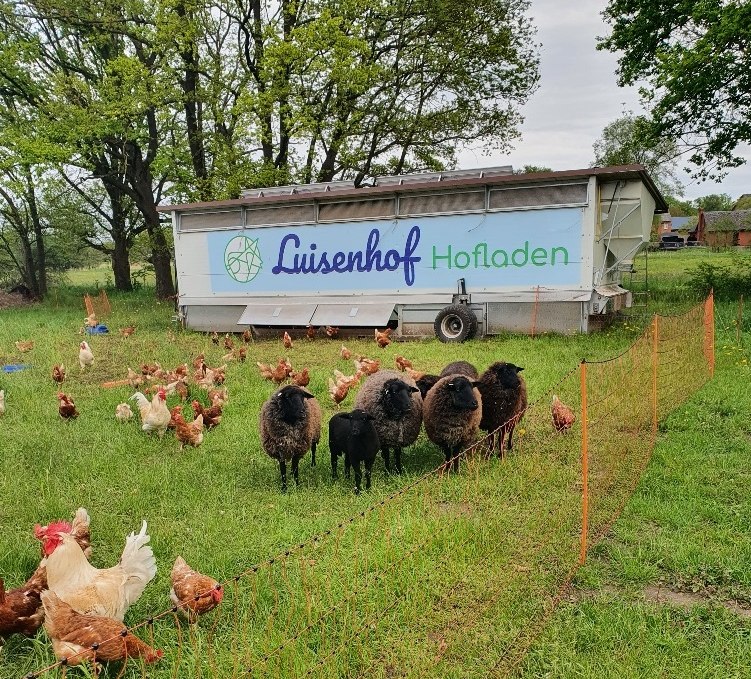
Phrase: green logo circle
[242,259]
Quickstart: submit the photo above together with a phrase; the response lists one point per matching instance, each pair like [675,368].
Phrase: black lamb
[354,436]
[460,368]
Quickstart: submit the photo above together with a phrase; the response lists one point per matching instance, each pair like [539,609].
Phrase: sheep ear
[518,369]
[306,394]
[413,389]
[476,385]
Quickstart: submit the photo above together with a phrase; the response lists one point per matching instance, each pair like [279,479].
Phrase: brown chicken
[24,345]
[77,638]
[247,336]
[198,362]
[193,594]
[287,340]
[128,331]
[220,396]
[242,354]
[302,378]
[332,332]
[214,337]
[212,416]
[91,320]
[414,374]
[58,373]
[175,412]
[345,353]
[563,416]
[310,333]
[150,368]
[367,366]
[181,370]
[338,392]
[402,363]
[348,380]
[383,338]
[67,408]
[229,345]
[21,608]
[189,433]
[266,370]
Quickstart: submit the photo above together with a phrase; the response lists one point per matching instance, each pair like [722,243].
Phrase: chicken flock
[83,607]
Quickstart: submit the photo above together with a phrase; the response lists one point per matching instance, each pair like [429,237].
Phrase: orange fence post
[655,401]
[585,463]
[709,331]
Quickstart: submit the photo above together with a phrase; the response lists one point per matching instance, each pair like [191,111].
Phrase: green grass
[440,581]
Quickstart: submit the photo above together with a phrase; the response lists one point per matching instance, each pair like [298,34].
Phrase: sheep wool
[281,440]
[504,398]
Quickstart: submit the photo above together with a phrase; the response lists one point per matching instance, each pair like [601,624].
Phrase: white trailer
[456,253]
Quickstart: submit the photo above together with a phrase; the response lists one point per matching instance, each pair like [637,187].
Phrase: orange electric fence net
[453,568]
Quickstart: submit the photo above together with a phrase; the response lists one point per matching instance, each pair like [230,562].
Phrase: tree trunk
[121,265]
[40,266]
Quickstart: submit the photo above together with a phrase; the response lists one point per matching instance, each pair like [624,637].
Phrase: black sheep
[354,436]
[425,383]
[460,368]
[504,400]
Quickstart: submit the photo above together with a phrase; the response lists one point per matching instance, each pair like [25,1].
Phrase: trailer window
[357,209]
[288,214]
[440,203]
[538,196]
[199,221]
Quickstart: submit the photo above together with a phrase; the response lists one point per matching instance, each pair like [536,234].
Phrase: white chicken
[155,416]
[2,401]
[85,356]
[123,412]
[99,591]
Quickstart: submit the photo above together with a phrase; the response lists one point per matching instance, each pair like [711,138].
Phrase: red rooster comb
[41,532]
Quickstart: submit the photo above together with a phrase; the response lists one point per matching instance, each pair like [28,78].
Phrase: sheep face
[425,383]
[291,402]
[358,421]
[461,392]
[396,399]
[507,375]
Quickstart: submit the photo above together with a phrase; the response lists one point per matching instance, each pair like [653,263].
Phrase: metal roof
[423,182]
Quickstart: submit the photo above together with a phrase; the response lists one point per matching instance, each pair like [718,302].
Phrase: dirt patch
[11,300]
[454,508]
[686,600]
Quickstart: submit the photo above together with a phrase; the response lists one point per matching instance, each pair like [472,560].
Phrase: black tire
[455,323]
[472,324]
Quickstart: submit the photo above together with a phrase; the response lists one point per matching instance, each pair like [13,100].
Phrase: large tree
[628,140]
[695,58]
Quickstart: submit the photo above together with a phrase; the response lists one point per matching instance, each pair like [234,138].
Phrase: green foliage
[679,207]
[743,203]
[629,140]
[527,169]
[727,280]
[695,60]
[715,202]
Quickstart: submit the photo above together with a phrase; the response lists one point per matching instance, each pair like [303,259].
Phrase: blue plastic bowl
[98,330]
[14,367]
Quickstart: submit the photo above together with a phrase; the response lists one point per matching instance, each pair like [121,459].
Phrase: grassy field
[437,587]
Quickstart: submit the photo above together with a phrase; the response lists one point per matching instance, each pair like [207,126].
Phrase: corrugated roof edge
[612,172]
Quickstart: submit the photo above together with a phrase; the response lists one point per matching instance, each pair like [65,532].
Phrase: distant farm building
[725,229]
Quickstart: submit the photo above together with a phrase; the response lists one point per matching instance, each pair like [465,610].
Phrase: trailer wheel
[455,323]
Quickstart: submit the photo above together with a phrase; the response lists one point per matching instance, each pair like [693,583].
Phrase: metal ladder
[638,284]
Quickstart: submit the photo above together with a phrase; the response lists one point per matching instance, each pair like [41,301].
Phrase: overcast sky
[577,97]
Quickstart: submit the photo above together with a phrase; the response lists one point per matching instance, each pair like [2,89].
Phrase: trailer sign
[515,249]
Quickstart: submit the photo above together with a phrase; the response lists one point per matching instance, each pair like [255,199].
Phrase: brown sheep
[504,400]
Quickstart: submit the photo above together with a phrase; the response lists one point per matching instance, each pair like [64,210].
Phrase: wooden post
[585,463]
[655,354]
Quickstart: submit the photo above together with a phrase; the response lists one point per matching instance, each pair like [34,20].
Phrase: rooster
[85,356]
[189,433]
[128,331]
[98,591]
[21,608]
[78,637]
[58,373]
[310,333]
[24,345]
[155,416]
[383,338]
[345,353]
[67,408]
[287,340]
[332,332]
[80,530]
[563,416]
[211,416]
[194,594]
[402,363]
[302,378]
[247,336]
[123,412]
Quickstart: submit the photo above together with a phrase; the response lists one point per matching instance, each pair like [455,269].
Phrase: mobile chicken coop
[454,253]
